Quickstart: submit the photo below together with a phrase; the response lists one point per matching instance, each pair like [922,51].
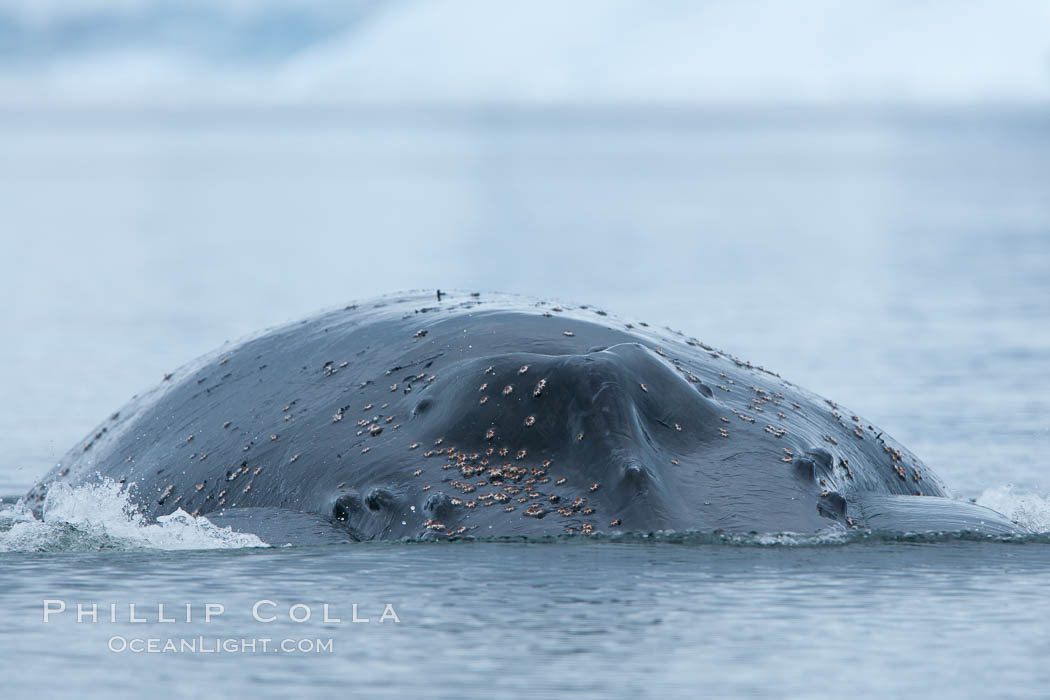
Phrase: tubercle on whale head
[363,514]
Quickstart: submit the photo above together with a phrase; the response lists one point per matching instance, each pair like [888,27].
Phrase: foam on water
[1028,509]
[102,516]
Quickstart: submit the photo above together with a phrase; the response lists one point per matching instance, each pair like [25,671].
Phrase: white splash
[1028,509]
[102,516]
[830,536]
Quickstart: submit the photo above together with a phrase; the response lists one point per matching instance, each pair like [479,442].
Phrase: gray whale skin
[432,416]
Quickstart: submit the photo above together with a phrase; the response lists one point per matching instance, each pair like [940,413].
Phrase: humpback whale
[451,415]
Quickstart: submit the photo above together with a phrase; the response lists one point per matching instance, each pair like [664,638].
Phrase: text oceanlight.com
[219,645]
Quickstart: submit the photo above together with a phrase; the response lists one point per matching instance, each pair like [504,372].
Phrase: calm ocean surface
[897,262]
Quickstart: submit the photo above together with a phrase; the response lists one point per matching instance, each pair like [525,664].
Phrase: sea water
[896,261]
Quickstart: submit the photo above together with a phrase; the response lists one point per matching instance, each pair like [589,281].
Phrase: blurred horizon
[613,54]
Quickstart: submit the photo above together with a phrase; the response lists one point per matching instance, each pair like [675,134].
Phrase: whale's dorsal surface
[491,415]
